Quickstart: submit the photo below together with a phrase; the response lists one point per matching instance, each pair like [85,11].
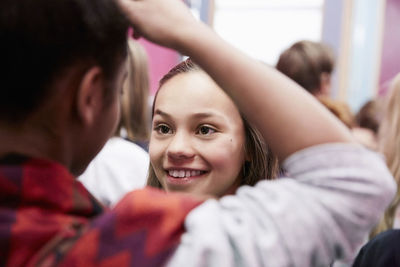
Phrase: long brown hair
[263,164]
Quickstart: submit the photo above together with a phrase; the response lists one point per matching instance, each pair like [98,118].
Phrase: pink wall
[161,60]
[390,64]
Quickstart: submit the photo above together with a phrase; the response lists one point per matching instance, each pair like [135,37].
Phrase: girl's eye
[163,129]
[205,130]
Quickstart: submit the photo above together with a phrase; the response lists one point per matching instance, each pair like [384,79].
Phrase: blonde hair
[389,145]
[340,109]
[135,117]
[263,164]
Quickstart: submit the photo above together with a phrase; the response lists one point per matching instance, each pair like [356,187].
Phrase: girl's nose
[180,147]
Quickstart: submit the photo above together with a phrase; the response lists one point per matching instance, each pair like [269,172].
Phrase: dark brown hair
[42,38]
[263,164]
[370,115]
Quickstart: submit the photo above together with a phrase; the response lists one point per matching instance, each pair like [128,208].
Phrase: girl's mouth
[176,173]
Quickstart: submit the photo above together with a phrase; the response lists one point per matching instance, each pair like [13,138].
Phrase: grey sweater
[322,211]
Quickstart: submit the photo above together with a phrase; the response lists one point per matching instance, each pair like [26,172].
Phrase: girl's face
[198,138]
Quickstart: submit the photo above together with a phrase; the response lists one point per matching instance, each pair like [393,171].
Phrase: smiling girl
[200,142]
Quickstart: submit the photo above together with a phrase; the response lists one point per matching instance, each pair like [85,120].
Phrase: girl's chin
[178,184]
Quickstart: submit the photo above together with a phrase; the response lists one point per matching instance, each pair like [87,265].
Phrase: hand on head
[166,29]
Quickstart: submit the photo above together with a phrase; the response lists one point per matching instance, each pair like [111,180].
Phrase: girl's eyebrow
[201,115]
[161,113]
[198,115]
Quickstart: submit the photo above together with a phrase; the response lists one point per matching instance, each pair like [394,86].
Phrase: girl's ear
[89,98]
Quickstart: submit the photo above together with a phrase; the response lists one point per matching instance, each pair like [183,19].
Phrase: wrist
[192,37]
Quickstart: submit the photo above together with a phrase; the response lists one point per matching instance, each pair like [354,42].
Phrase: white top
[334,195]
[120,167]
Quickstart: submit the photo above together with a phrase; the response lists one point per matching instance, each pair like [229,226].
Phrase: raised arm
[288,117]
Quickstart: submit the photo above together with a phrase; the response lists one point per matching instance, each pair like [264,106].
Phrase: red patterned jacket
[47,218]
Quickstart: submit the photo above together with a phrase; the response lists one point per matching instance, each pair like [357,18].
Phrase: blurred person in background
[310,64]
[135,121]
[368,119]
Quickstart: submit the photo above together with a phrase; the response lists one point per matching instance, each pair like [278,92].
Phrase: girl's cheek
[155,156]
[226,154]
[222,156]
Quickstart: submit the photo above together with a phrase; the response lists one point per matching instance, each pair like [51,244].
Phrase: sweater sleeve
[331,198]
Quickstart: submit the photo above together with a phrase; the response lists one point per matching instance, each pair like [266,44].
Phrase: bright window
[264,28]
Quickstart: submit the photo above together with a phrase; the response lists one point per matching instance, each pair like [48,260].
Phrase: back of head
[42,38]
[370,115]
[305,62]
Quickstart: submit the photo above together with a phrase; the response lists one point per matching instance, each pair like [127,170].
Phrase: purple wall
[390,64]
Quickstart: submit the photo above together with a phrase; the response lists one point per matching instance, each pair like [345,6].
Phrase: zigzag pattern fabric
[47,218]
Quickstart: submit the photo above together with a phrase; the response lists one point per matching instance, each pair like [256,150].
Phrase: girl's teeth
[183,174]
